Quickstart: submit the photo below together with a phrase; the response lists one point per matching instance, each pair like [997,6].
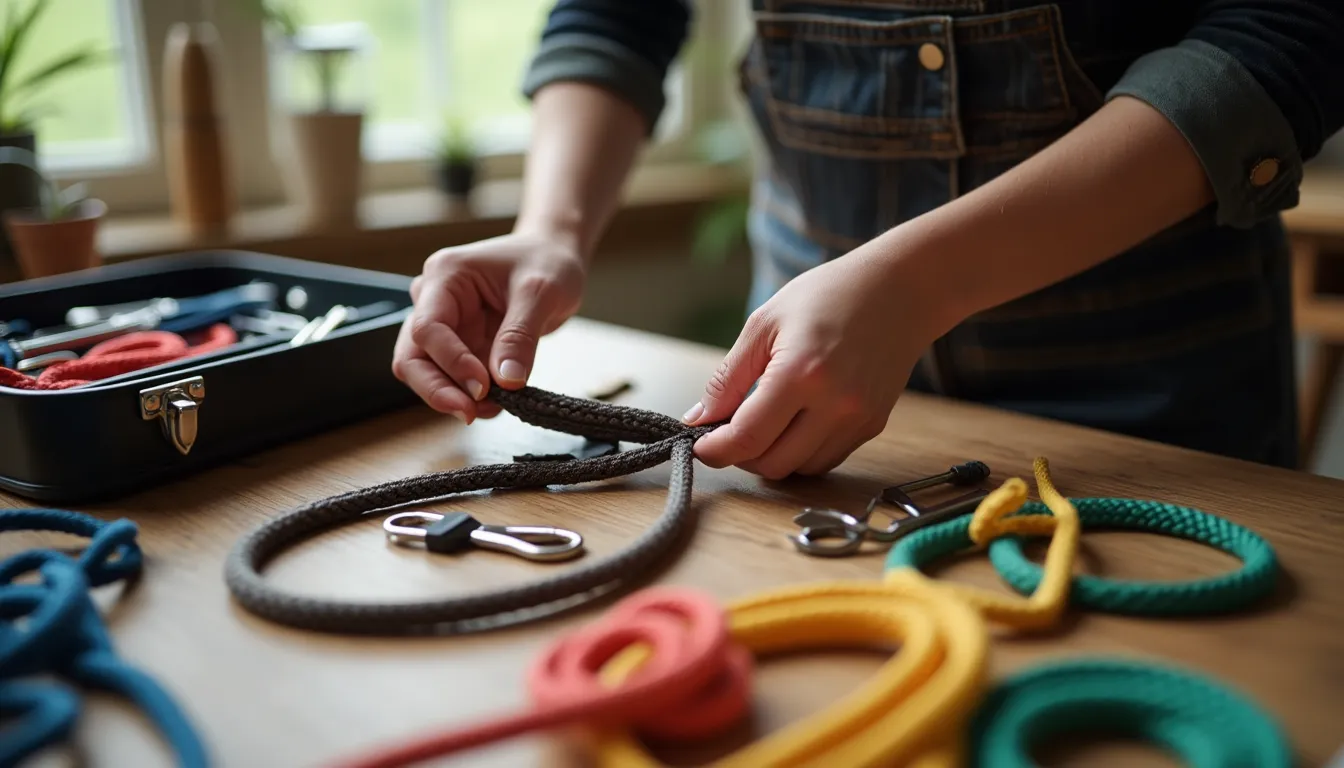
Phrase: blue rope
[62,635]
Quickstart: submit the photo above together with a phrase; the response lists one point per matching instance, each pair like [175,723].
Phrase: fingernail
[476,388]
[512,370]
[460,416]
[694,414]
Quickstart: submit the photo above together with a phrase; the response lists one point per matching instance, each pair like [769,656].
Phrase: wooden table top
[266,695]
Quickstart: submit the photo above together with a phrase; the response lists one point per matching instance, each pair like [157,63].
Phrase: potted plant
[60,233]
[19,188]
[324,130]
[455,170]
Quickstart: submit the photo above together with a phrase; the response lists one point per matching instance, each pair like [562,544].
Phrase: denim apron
[873,113]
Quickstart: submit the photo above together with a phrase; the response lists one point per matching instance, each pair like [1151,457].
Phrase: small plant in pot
[315,71]
[456,160]
[18,187]
[58,235]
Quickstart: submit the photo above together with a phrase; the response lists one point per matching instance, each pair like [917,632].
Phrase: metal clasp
[832,533]
[176,406]
[456,531]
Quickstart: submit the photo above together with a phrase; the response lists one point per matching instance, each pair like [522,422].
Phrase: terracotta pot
[327,166]
[47,248]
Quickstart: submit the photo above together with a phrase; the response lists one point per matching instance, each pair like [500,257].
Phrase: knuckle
[438,261]
[757,321]
[535,286]
[874,429]
[851,407]
[814,372]
[717,386]
[744,445]
[516,335]
[422,327]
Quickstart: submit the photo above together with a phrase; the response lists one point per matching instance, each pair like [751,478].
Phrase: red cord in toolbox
[132,352]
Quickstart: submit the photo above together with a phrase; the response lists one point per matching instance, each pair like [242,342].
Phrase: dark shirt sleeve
[1256,88]
[625,46]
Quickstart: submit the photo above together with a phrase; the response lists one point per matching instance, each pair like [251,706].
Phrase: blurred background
[372,132]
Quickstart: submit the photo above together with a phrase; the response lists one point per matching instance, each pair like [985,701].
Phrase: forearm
[584,142]
[1118,178]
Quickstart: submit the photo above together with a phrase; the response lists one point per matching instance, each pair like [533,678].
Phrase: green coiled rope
[1217,594]
[1204,723]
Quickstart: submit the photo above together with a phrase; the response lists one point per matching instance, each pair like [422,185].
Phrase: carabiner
[456,531]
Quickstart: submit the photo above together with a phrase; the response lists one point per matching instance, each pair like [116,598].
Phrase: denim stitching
[1056,29]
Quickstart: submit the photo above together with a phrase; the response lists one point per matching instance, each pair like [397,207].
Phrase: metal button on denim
[1264,172]
[931,56]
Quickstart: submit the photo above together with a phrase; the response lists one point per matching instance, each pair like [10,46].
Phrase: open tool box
[295,348]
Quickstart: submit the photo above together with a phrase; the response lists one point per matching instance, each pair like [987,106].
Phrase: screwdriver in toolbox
[12,351]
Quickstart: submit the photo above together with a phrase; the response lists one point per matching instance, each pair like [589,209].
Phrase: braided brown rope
[663,438]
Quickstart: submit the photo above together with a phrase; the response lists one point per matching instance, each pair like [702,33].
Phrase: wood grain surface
[265,695]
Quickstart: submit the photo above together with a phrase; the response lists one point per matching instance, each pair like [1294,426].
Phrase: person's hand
[829,355]
[486,303]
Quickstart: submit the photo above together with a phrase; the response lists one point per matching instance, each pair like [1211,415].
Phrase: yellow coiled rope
[915,709]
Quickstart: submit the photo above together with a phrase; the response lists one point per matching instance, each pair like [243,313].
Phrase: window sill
[388,216]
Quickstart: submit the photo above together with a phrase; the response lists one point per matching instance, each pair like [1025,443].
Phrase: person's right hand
[486,302]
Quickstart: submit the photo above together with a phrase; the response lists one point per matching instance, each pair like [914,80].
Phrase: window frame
[697,92]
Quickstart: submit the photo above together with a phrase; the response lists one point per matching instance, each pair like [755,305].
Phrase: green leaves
[71,61]
[455,144]
[284,17]
[719,231]
[18,23]
[57,203]
[18,26]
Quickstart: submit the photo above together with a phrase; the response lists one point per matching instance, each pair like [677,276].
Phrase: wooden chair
[1316,228]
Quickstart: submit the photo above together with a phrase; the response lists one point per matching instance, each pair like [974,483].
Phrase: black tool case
[129,432]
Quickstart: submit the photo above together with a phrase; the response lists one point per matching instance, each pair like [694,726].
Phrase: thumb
[531,301]
[735,377]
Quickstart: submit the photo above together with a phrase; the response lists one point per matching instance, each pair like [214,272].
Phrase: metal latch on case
[176,405]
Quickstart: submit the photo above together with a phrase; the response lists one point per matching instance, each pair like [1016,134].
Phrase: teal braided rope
[1217,594]
[1202,722]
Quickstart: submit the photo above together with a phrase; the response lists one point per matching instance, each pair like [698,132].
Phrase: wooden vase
[327,167]
[46,248]
[195,154]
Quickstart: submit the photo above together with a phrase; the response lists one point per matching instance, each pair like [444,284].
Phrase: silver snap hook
[533,542]
[456,531]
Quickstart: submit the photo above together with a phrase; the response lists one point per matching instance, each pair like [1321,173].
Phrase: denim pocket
[876,113]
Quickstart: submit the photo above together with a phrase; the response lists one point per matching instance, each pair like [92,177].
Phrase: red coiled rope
[123,354]
[695,682]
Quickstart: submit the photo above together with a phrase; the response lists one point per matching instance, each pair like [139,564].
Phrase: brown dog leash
[663,438]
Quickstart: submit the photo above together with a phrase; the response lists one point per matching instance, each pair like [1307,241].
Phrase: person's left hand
[829,354]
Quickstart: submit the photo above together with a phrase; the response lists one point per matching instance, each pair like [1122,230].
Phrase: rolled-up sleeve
[1255,87]
[625,46]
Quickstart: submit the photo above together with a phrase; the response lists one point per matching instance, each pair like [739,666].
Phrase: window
[435,58]
[428,59]
[92,117]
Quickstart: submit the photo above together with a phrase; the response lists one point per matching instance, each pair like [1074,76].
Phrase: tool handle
[969,473]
